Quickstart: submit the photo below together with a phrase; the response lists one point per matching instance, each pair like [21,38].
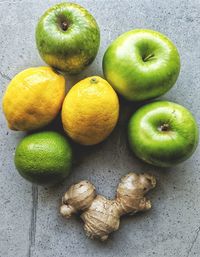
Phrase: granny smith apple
[68,37]
[141,64]
[163,133]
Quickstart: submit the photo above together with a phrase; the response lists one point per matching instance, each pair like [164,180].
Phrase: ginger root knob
[131,191]
[79,197]
[100,215]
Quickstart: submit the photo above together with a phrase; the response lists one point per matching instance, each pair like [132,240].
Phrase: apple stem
[145,59]
[64,25]
[164,127]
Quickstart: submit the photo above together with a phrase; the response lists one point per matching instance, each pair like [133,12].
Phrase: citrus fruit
[33,98]
[44,157]
[90,111]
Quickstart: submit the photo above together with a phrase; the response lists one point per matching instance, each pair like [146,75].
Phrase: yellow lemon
[33,98]
[90,111]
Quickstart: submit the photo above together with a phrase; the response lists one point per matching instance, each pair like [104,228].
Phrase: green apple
[163,133]
[141,64]
[68,37]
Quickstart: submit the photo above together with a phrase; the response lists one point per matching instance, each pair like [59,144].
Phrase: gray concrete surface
[30,225]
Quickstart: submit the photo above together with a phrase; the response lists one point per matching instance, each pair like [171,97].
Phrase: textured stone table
[30,224]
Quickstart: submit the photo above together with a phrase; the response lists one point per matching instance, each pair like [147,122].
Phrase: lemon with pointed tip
[90,111]
[33,98]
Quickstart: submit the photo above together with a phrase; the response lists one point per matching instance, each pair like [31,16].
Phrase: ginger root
[100,215]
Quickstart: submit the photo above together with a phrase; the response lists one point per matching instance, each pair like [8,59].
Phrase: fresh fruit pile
[140,65]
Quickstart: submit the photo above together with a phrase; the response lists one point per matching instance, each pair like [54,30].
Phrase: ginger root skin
[100,215]
[101,218]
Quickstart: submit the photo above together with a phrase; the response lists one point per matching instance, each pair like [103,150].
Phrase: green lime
[44,158]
